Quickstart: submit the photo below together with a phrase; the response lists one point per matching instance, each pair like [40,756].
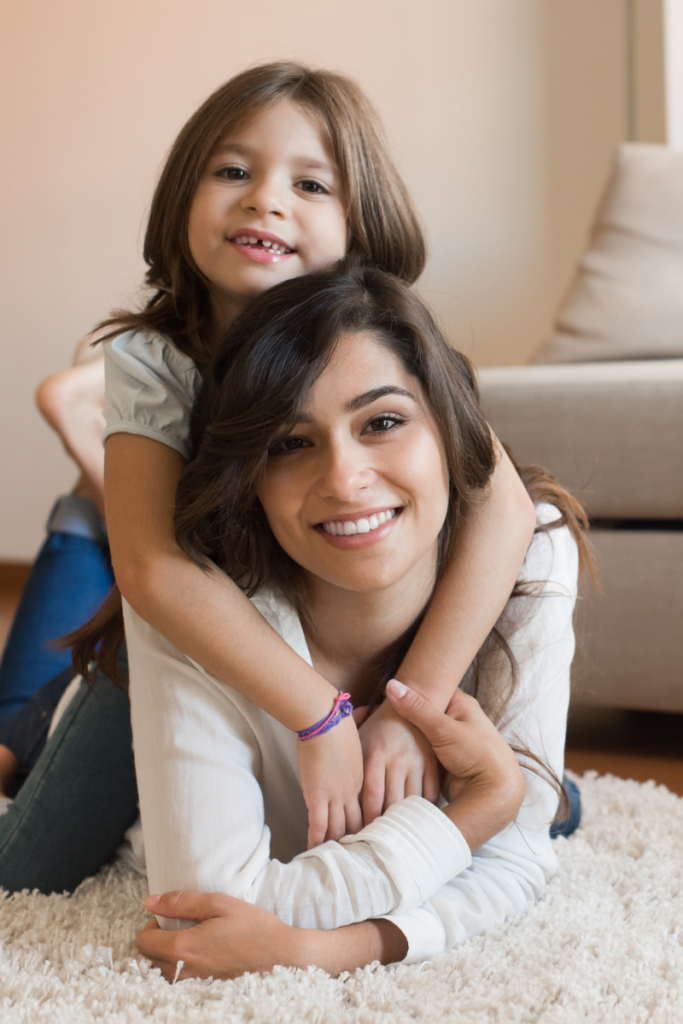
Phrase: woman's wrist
[484,806]
[345,949]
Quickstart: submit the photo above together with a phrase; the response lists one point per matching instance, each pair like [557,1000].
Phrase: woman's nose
[266,196]
[344,471]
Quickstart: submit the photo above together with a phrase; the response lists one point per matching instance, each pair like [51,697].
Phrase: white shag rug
[605,944]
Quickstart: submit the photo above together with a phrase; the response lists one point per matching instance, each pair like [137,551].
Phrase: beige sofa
[613,433]
[604,412]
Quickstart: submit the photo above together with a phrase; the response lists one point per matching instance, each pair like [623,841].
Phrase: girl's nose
[344,471]
[266,196]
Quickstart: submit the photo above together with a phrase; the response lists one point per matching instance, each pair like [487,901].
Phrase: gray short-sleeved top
[150,388]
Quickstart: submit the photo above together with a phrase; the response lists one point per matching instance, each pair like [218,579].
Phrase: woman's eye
[232,173]
[380,424]
[314,187]
[287,445]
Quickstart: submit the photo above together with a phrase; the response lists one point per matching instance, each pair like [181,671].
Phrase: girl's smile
[269,206]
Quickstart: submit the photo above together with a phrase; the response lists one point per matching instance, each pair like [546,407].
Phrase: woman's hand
[486,787]
[399,762]
[234,937]
[331,774]
[231,938]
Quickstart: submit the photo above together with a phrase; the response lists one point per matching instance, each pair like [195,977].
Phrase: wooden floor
[632,744]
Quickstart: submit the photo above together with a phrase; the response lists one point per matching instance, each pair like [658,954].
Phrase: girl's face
[357,493]
[269,207]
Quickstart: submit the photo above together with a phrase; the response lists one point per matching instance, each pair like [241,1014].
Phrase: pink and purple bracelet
[342,709]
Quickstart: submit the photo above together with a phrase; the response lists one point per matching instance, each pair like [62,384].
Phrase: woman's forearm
[345,949]
[475,588]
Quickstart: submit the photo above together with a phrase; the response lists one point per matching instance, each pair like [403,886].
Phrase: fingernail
[155,898]
[396,688]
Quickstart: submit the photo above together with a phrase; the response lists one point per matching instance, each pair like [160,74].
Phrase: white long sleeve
[222,807]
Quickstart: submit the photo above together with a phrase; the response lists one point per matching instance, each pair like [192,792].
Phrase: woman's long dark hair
[253,390]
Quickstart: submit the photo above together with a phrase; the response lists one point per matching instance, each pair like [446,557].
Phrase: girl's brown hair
[252,393]
[383,226]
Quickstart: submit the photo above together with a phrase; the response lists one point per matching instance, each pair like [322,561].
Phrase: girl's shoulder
[151,348]
[150,388]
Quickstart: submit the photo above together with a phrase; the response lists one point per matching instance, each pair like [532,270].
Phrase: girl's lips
[261,246]
[261,255]
[356,541]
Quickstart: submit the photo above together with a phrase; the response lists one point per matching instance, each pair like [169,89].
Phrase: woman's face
[269,207]
[357,493]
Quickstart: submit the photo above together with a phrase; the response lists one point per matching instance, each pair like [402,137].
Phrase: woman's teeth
[280,250]
[348,528]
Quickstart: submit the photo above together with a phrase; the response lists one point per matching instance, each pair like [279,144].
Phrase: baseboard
[13,575]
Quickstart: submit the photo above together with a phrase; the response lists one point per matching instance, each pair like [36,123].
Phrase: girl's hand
[231,938]
[399,762]
[331,774]
[486,788]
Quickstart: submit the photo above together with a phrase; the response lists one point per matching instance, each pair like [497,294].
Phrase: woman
[338,449]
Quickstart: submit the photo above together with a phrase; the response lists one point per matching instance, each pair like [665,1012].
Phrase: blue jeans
[69,580]
[77,802]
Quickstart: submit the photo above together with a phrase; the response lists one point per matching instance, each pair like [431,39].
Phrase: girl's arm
[468,601]
[207,617]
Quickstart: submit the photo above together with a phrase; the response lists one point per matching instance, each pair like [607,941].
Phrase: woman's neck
[351,633]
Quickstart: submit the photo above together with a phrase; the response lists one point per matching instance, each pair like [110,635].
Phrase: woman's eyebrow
[371,396]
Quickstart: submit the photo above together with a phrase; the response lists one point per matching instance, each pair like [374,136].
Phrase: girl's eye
[287,445]
[312,186]
[381,424]
[232,173]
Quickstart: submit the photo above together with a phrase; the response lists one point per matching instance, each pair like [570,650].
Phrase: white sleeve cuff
[424,933]
[419,848]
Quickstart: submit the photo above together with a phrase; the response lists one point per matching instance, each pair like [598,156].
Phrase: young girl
[282,171]
[335,399]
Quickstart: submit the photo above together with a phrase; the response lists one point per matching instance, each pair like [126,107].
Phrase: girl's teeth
[349,529]
[279,250]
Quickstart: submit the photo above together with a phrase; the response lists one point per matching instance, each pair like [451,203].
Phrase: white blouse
[222,807]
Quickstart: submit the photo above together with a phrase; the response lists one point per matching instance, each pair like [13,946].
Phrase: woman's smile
[359,530]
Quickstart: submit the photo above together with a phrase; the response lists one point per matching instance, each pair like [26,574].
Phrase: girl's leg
[73,810]
[69,580]
[573,819]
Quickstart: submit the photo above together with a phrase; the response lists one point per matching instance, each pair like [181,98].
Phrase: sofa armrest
[610,432]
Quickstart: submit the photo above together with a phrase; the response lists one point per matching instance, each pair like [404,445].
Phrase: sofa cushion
[610,432]
[626,301]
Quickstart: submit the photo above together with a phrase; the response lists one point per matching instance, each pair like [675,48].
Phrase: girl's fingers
[373,792]
[336,824]
[318,819]
[354,818]
[415,784]
[431,784]
[396,787]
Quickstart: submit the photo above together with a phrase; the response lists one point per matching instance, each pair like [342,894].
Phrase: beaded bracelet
[342,709]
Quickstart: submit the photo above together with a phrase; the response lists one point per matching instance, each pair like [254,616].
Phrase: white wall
[673,35]
[502,114]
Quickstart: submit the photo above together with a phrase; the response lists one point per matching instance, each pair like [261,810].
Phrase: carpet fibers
[605,944]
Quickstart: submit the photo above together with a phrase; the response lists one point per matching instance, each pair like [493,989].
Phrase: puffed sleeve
[150,388]
[510,872]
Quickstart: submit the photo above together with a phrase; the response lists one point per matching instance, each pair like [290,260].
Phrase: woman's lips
[368,529]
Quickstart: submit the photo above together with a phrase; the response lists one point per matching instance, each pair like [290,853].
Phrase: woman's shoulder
[553,556]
